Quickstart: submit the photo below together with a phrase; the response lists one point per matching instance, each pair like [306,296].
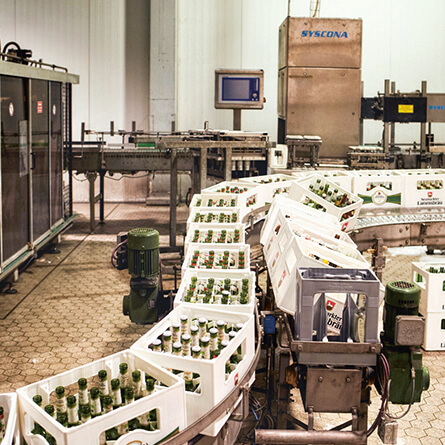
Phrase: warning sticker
[404,108]
[11,109]
[39,107]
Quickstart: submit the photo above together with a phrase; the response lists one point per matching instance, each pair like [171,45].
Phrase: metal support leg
[196,176]
[91,176]
[173,195]
[203,168]
[283,388]
[228,164]
[378,259]
[102,197]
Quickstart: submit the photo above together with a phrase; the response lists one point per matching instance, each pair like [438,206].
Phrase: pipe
[312,437]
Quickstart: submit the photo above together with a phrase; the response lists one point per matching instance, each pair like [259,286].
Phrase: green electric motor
[401,338]
[143,266]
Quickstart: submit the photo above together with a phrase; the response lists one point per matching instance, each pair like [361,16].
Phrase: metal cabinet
[319,81]
[34,120]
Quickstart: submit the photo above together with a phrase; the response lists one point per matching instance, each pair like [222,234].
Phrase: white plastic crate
[432,286]
[214,382]
[423,188]
[303,253]
[248,194]
[347,215]
[235,276]
[169,421]
[378,188]
[434,339]
[10,417]
[294,210]
[211,216]
[203,258]
[339,177]
[215,201]
[216,240]
[271,185]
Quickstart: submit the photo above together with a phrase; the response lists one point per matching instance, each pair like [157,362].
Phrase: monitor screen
[239,89]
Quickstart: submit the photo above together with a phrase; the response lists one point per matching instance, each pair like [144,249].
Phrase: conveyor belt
[418,228]
[411,218]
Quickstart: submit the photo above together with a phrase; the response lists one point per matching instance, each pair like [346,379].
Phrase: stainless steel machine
[319,82]
[35,124]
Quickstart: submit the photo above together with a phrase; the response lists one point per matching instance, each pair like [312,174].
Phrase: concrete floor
[68,312]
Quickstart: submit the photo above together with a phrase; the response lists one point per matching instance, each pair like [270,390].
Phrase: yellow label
[406,108]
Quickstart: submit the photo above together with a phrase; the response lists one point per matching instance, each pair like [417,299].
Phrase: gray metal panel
[18,70]
[333,390]
[321,42]
[435,110]
[325,102]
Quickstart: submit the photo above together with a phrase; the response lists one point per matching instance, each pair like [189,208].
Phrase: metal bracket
[245,392]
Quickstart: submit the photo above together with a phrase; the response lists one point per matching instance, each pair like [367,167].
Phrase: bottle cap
[85,410]
[71,401]
[194,330]
[123,368]
[102,374]
[136,375]
[129,394]
[49,409]
[37,399]
[94,392]
[186,338]
[115,384]
[167,335]
[196,350]
[82,382]
[60,391]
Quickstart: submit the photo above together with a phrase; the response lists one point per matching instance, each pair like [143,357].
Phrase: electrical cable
[383,385]
[316,7]
[114,251]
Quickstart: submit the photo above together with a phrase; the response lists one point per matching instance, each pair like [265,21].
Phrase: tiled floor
[68,312]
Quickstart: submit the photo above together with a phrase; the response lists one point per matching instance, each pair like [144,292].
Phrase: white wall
[402,41]
[106,42]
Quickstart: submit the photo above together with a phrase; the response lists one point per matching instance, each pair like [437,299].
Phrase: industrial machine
[330,350]
[142,254]
[238,90]
[319,82]
[35,127]
[394,107]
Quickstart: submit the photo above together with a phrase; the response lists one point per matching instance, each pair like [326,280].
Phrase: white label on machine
[334,312]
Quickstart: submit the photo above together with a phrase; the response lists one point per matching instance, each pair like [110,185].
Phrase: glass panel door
[15,168]
[40,157]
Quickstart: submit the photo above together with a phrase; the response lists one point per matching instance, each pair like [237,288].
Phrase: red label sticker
[430,194]
[39,107]
[11,109]
[330,305]
[236,379]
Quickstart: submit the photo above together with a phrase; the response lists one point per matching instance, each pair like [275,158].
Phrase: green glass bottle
[112,433]
[61,406]
[116,393]
[37,399]
[73,411]
[49,409]
[137,383]
[83,392]
[96,408]
[123,378]
[85,413]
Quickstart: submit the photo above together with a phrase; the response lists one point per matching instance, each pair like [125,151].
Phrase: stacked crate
[39,427]
[430,277]
[325,195]
[9,427]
